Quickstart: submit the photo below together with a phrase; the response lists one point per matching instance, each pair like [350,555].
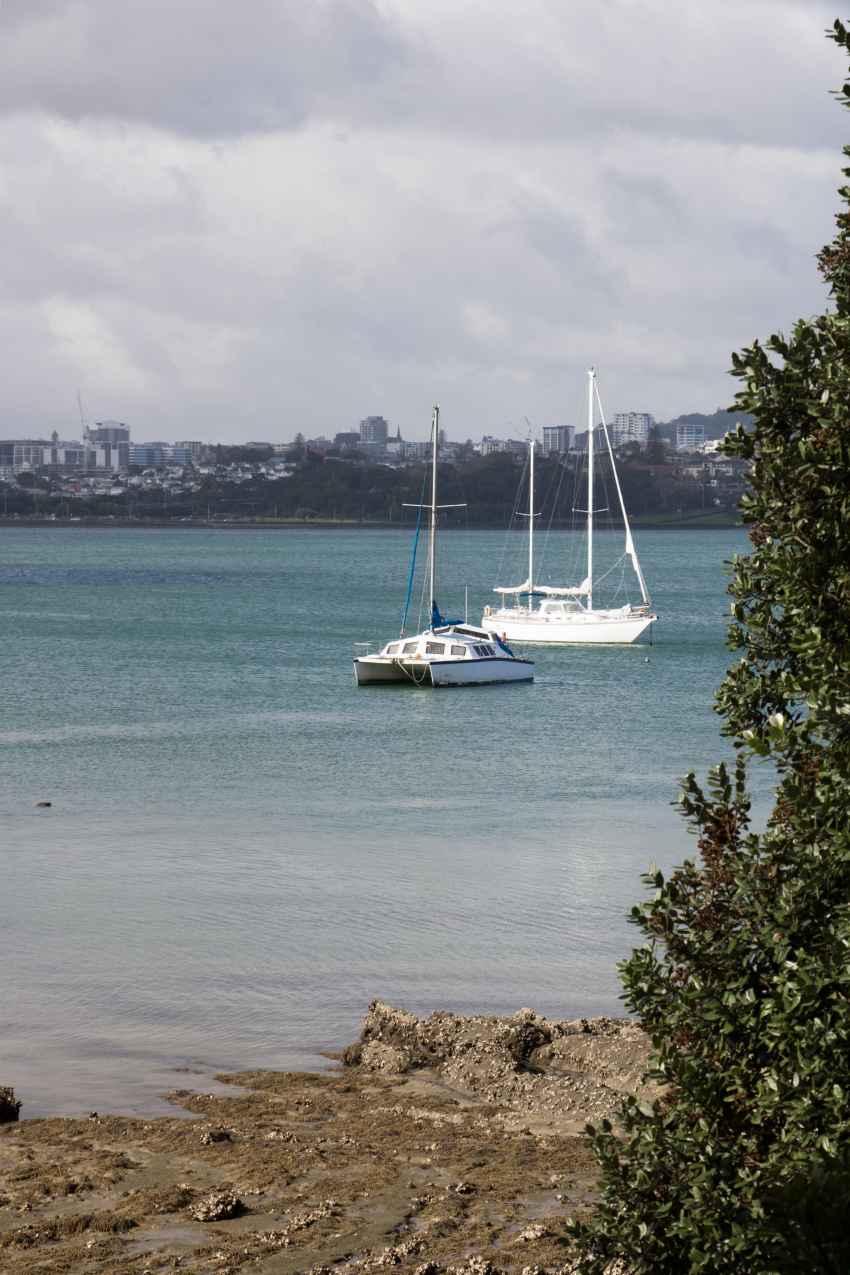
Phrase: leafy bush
[744,982]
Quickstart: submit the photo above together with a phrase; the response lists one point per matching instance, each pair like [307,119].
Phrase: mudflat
[440,1144]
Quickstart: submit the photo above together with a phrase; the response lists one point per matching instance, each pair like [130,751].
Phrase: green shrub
[743,984]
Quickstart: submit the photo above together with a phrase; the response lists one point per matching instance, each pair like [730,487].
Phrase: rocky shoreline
[445,1145]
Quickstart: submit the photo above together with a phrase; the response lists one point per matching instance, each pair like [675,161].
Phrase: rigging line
[614,565]
[510,528]
[412,571]
[630,548]
[559,472]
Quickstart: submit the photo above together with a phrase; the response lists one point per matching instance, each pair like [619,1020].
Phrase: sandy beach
[441,1144]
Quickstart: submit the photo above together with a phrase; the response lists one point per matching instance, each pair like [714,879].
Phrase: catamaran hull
[376,671]
[617,631]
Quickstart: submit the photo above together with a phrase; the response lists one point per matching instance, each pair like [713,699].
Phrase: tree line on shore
[328,489]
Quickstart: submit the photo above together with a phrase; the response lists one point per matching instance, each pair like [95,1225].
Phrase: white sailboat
[449,653]
[566,614]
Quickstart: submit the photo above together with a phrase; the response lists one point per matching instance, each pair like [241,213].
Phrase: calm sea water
[243,849]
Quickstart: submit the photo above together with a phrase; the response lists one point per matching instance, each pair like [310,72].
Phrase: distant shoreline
[710,523]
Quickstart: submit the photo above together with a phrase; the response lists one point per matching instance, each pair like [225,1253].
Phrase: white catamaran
[566,614]
[449,653]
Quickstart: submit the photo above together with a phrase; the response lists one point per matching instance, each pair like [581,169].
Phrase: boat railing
[363,648]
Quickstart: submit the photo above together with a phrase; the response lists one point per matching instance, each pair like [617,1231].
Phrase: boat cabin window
[435,648]
[484,651]
[392,649]
[409,648]
[560,608]
[459,650]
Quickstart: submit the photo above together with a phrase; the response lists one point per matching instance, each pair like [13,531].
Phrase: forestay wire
[412,571]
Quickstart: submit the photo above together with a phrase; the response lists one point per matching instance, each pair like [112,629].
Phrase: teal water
[243,849]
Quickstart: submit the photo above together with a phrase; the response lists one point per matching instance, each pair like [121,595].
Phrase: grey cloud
[735,70]
[195,66]
[237,223]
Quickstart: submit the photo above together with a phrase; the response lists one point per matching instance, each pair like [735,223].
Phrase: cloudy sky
[236,221]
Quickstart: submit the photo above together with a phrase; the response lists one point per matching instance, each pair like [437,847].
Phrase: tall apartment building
[374,430]
[690,438]
[109,432]
[631,427]
[114,439]
[558,438]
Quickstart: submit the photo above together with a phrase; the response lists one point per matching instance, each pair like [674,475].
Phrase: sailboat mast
[531,522]
[591,374]
[432,547]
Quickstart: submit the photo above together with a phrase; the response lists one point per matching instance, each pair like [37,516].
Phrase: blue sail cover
[439,621]
[503,645]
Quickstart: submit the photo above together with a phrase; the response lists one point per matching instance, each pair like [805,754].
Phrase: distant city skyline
[244,223]
[150,432]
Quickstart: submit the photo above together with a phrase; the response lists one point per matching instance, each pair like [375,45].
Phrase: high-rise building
[109,432]
[689,438]
[374,430]
[631,427]
[112,440]
[558,438]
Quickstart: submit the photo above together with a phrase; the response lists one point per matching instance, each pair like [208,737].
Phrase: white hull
[580,630]
[375,670]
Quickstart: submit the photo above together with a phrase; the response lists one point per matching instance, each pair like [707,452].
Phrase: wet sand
[444,1144]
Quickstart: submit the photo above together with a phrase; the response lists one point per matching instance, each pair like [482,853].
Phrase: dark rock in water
[217,1207]
[9,1105]
[43,805]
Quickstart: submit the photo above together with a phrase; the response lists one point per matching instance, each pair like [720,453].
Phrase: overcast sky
[236,221]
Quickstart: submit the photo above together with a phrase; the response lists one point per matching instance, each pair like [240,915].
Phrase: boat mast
[591,377]
[432,547]
[531,523]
